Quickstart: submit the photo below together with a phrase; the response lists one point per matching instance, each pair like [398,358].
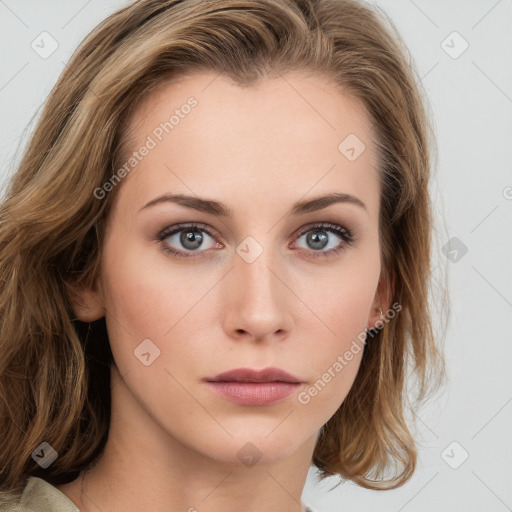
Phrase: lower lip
[254,393]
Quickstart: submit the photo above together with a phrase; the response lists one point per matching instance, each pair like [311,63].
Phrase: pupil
[317,239]
[191,239]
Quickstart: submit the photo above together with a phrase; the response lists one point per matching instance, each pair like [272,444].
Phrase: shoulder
[39,496]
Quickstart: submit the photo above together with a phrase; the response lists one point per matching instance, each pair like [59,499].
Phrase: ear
[88,303]
[381,303]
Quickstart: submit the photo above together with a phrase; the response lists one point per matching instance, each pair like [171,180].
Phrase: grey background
[471,101]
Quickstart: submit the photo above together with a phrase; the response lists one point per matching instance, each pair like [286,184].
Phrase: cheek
[342,305]
[150,299]
[342,300]
[146,294]
[346,308]
[336,357]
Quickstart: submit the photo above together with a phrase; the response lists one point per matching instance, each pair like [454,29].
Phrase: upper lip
[250,375]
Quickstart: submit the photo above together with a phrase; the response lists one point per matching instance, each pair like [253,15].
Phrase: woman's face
[237,271]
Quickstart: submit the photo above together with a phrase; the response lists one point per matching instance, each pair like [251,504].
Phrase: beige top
[41,496]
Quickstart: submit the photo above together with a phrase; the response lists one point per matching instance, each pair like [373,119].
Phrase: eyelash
[345,234]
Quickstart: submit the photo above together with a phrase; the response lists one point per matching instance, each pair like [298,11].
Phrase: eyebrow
[221,210]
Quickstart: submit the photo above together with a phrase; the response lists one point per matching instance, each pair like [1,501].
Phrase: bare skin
[174,444]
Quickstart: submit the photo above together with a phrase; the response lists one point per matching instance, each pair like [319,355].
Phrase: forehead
[286,137]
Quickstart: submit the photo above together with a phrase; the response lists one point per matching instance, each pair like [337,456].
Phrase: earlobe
[87,304]
[381,304]
[376,318]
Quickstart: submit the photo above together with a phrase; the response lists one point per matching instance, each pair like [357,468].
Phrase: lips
[249,375]
[248,387]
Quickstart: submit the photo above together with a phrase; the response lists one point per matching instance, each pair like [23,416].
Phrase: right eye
[183,240]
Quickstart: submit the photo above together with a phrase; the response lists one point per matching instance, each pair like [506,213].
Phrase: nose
[257,301]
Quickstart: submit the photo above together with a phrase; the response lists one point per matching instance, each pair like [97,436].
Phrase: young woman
[215,260]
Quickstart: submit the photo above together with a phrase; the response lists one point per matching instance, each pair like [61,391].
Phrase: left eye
[319,238]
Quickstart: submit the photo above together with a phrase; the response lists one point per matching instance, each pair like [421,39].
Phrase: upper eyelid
[323,225]
[182,226]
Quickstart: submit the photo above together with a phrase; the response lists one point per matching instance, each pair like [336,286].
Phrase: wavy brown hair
[54,369]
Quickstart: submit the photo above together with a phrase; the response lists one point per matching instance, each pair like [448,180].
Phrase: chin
[256,446]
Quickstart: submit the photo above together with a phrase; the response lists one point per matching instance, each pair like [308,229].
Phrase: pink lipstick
[245,386]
